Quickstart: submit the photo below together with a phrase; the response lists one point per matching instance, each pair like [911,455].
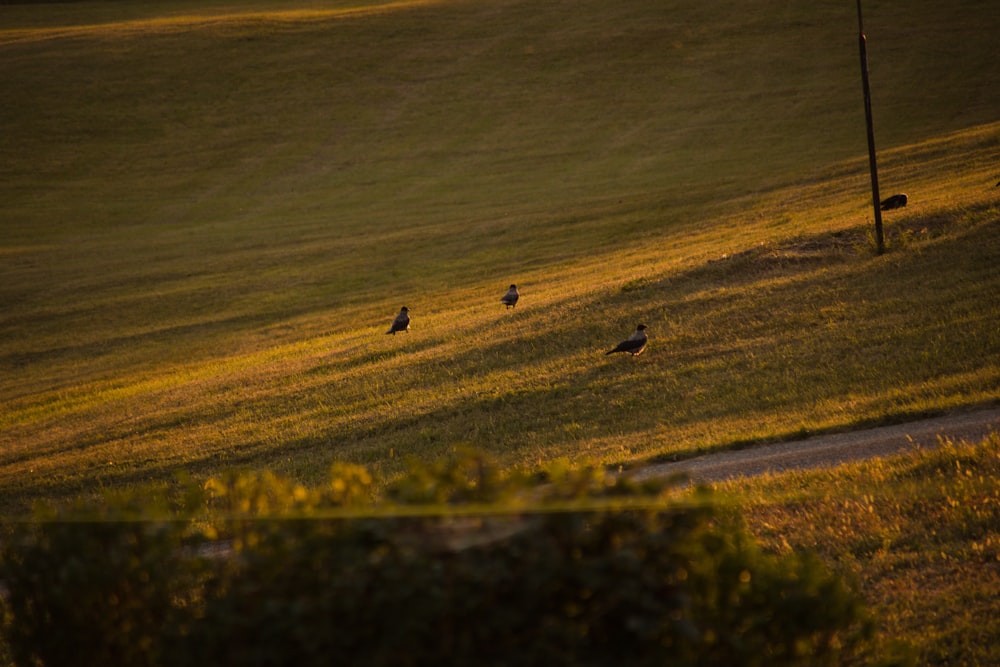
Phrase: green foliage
[466,478]
[627,579]
[96,592]
[263,493]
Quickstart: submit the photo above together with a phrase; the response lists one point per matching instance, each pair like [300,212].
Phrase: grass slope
[210,217]
[919,532]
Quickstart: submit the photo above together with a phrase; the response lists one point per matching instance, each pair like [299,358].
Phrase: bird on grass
[895,201]
[401,323]
[634,344]
[510,298]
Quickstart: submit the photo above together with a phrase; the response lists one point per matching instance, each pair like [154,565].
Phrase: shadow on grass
[598,397]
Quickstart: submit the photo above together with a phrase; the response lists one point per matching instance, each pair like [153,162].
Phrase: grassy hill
[918,531]
[210,216]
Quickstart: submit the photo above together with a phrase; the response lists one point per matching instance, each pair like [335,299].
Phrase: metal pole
[862,42]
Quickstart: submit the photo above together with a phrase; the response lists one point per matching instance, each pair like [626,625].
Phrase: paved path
[829,450]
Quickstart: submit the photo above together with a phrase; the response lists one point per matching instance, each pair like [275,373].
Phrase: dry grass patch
[207,242]
[921,533]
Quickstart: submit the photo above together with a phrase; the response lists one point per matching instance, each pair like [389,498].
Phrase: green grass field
[920,533]
[211,214]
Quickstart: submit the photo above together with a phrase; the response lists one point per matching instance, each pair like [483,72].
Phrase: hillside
[210,217]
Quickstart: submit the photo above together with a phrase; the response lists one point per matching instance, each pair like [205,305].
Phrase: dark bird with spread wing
[510,298]
[401,323]
[634,344]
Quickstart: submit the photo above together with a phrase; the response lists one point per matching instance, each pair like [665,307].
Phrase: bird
[895,201]
[510,298]
[401,323]
[634,344]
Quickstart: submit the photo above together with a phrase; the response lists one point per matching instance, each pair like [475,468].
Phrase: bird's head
[513,286]
[641,327]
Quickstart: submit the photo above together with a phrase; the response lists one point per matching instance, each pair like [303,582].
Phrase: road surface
[830,450]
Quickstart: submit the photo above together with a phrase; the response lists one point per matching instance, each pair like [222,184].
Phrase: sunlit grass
[94,20]
[205,243]
[756,347]
[921,532]
[210,216]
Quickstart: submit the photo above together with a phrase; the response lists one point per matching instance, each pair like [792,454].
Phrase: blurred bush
[457,564]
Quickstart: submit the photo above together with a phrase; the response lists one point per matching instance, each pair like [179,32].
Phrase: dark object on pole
[862,42]
[895,201]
